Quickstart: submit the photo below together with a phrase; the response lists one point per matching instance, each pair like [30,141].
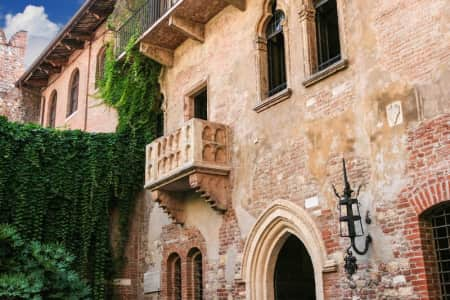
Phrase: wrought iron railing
[147,15]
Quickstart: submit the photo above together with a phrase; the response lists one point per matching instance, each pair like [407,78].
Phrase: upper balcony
[194,158]
[163,25]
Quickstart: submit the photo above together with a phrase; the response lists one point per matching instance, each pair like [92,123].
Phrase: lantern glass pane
[358,223]
[344,229]
[358,228]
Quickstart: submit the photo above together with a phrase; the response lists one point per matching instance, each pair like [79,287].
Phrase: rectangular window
[201,104]
[327,30]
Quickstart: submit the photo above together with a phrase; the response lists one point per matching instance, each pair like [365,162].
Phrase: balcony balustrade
[162,25]
[194,158]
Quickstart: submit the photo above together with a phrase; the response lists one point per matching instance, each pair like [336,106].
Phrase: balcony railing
[194,158]
[198,145]
[147,15]
[163,25]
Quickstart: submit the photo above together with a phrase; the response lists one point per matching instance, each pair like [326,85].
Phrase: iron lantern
[350,222]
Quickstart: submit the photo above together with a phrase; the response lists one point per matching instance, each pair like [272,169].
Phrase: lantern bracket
[348,202]
[366,246]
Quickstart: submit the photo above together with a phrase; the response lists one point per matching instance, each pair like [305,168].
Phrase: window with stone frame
[195,274]
[327,33]
[52,110]
[201,104]
[174,277]
[321,36]
[276,52]
[272,54]
[100,67]
[74,89]
[196,102]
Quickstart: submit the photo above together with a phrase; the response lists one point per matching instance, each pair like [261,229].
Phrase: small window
[327,31]
[195,274]
[160,124]
[73,92]
[100,69]
[201,104]
[52,111]
[174,281]
[198,276]
[440,219]
[177,279]
[276,52]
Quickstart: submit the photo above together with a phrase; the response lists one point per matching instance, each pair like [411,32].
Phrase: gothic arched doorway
[294,272]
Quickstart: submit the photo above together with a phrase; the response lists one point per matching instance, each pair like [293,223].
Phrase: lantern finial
[347,189]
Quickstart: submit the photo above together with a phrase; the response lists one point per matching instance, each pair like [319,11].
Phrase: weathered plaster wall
[91,115]
[397,51]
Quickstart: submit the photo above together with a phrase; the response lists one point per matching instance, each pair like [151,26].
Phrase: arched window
[52,110]
[276,52]
[174,282]
[100,68]
[73,92]
[195,274]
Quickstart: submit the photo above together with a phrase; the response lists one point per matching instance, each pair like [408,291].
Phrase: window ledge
[71,116]
[273,100]
[325,73]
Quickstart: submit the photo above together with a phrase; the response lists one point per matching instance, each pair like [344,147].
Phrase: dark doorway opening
[294,272]
[201,105]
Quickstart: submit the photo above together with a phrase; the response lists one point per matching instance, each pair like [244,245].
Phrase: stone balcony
[193,159]
[163,25]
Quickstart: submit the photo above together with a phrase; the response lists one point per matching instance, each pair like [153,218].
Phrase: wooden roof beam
[73,44]
[80,36]
[99,12]
[37,82]
[49,68]
[56,61]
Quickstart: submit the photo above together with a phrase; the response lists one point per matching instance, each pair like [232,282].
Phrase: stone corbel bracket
[171,203]
[214,189]
[161,55]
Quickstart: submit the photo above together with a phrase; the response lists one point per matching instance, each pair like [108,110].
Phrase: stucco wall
[91,115]
[396,51]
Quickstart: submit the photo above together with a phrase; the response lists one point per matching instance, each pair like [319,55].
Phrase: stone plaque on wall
[152,282]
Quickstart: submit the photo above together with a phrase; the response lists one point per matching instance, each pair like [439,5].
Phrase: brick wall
[16,105]
[429,185]
[396,51]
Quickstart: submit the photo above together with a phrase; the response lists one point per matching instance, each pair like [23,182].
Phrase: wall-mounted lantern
[350,222]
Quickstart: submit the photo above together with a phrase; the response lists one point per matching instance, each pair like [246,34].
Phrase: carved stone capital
[306,13]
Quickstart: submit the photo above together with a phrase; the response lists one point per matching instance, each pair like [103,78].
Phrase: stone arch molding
[265,241]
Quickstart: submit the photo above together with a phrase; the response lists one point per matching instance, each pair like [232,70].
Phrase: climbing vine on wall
[131,86]
[62,186]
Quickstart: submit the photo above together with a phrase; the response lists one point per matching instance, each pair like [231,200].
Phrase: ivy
[130,85]
[64,186]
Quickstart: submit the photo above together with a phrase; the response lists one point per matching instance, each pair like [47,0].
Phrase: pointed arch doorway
[294,272]
[282,234]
